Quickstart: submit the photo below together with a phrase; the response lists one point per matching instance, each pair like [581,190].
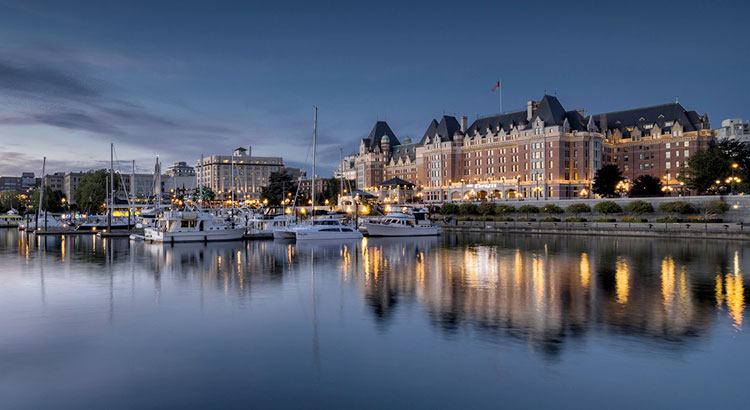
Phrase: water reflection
[541,290]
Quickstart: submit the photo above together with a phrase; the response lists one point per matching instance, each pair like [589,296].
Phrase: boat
[100,222]
[326,229]
[43,223]
[192,226]
[402,224]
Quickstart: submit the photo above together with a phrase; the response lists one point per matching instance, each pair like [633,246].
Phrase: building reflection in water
[543,291]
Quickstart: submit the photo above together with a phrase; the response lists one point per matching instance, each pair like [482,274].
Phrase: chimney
[529,110]
[603,123]
[581,111]
[249,151]
[464,123]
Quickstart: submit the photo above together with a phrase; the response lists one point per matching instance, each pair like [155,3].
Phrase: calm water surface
[465,321]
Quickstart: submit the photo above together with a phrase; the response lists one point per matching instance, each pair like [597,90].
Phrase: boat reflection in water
[408,308]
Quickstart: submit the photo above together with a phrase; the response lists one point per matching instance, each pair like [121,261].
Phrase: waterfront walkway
[733,231]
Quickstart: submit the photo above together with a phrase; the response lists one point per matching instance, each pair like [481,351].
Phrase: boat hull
[230,234]
[374,229]
[309,236]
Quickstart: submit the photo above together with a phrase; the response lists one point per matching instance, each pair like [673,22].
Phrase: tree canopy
[607,207]
[52,200]
[208,194]
[645,186]
[606,180]
[280,185]
[91,192]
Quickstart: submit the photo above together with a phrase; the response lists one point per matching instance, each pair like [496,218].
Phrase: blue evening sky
[181,78]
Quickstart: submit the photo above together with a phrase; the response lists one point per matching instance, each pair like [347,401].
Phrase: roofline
[641,108]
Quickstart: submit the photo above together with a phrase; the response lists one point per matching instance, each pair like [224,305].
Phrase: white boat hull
[375,229]
[284,234]
[303,235]
[229,234]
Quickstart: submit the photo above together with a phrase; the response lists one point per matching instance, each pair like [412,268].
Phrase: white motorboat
[326,229]
[45,223]
[402,224]
[192,226]
[99,222]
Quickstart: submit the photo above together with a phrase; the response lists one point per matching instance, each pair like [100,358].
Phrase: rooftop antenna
[676,99]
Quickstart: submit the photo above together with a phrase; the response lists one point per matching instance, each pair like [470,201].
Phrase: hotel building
[250,173]
[544,151]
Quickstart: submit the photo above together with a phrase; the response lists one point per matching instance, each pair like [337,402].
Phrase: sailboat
[193,226]
[324,229]
[43,221]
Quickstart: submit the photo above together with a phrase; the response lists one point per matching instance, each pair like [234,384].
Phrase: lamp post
[734,166]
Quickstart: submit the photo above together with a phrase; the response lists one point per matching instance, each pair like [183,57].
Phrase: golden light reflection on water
[667,281]
[622,281]
[732,291]
[585,270]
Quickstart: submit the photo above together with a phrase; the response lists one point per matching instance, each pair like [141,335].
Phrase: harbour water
[458,321]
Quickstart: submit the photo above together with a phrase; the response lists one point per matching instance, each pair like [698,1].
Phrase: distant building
[55,181]
[734,128]
[25,183]
[544,151]
[70,183]
[347,168]
[180,178]
[250,173]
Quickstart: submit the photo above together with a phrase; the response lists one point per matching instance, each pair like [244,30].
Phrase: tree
[52,200]
[92,191]
[606,180]
[280,185]
[330,192]
[645,186]
[704,167]
[577,209]
[449,209]
[467,208]
[551,209]
[505,209]
[676,207]
[208,194]
[607,208]
[639,207]
[716,207]
[528,210]
[486,208]
[10,200]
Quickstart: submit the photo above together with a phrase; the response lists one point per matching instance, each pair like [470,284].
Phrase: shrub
[576,209]
[605,220]
[551,209]
[505,209]
[639,207]
[449,209]
[575,219]
[716,207]
[549,219]
[467,208]
[667,220]
[676,207]
[607,208]
[528,209]
[634,219]
[486,208]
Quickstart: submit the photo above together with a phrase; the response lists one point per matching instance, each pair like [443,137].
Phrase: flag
[496,86]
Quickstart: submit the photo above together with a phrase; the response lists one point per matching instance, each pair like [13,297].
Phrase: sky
[177,79]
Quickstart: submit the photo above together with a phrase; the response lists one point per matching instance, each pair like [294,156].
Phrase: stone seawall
[726,231]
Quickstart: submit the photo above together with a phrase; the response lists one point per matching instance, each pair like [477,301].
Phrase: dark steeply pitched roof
[657,114]
[397,181]
[504,120]
[380,129]
[550,111]
[405,151]
[446,128]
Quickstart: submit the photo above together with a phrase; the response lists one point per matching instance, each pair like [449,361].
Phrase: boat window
[330,230]
[347,230]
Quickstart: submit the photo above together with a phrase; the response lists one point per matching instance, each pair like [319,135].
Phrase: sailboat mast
[200,189]
[315,144]
[132,194]
[41,195]
[111,185]
[341,178]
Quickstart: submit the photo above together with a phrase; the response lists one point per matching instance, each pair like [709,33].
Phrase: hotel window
[686,153]
[550,177]
[677,164]
[687,143]
[677,153]
[550,164]
[668,165]
[668,154]
[668,145]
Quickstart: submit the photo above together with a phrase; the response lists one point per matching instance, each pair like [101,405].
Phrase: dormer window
[669,123]
[661,115]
